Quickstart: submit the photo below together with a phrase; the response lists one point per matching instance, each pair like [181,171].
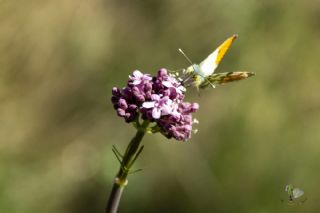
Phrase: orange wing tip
[224,47]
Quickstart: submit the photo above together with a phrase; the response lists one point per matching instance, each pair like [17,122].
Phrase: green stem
[120,181]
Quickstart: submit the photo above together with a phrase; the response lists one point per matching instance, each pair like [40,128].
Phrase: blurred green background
[60,59]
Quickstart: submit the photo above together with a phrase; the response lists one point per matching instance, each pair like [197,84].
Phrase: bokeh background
[60,59]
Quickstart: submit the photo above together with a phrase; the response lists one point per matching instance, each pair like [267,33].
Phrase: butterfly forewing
[208,65]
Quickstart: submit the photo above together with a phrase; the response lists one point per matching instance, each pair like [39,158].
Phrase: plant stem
[120,181]
[114,198]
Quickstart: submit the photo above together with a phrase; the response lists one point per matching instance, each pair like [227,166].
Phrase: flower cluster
[157,99]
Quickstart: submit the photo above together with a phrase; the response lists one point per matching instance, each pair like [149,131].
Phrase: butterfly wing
[297,193]
[225,77]
[208,65]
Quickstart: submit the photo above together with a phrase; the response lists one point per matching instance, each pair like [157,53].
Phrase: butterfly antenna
[188,59]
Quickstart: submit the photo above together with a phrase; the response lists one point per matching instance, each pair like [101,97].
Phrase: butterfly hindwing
[226,77]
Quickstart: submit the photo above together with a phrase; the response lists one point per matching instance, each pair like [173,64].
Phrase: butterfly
[202,75]
[294,194]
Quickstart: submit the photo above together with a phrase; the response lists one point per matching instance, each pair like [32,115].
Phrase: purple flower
[158,99]
[123,104]
[179,125]
[138,78]
[160,106]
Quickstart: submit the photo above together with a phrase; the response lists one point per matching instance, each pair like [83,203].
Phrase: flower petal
[167,84]
[155,97]
[137,74]
[148,104]
[156,113]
